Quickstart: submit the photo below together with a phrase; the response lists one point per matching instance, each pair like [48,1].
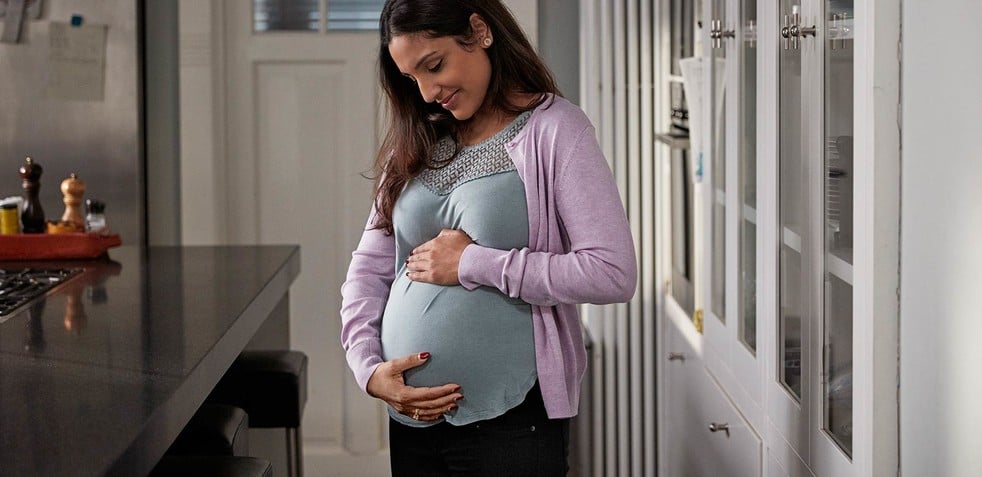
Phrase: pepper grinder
[33,215]
[73,189]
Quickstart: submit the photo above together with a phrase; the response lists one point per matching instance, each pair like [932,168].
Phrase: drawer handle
[720,426]
[676,356]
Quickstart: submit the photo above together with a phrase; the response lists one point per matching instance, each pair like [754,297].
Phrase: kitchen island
[99,376]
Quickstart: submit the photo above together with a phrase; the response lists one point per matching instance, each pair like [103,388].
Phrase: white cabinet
[729,195]
[707,435]
[785,240]
[815,196]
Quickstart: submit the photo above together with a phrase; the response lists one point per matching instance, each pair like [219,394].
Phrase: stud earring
[487,42]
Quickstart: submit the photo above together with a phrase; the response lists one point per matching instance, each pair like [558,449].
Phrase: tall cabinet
[779,207]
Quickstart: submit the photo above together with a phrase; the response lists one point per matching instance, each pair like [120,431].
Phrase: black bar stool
[271,386]
[216,429]
[211,466]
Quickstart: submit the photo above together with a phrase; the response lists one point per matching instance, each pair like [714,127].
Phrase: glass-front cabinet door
[837,198]
[813,375]
[742,219]
[683,165]
[747,177]
[730,199]
[793,201]
[789,387]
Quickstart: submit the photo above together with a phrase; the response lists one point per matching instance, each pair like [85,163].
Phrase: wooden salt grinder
[73,189]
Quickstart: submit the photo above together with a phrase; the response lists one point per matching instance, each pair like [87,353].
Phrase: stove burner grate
[20,286]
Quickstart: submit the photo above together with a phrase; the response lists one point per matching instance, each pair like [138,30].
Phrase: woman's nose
[429,90]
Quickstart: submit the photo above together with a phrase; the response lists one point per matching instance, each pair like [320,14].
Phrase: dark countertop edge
[170,418]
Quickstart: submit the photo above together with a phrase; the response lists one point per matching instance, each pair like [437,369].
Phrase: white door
[302,109]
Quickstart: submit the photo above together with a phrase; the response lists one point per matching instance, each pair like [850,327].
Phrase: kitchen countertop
[99,377]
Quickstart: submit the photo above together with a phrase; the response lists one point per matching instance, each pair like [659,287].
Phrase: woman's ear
[479,28]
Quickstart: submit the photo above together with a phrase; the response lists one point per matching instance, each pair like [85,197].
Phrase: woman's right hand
[423,404]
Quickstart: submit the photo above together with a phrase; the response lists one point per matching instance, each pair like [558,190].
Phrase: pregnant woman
[495,214]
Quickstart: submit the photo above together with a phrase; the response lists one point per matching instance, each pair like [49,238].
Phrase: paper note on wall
[696,95]
[78,62]
[692,83]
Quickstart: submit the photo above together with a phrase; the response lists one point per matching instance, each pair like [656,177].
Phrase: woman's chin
[460,115]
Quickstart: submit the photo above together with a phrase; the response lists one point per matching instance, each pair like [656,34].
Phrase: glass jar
[95,219]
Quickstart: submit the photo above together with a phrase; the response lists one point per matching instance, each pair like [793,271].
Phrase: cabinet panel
[778,467]
[719,154]
[696,404]
[735,446]
[685,455]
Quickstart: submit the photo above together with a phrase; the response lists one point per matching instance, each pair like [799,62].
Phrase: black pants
[521,442]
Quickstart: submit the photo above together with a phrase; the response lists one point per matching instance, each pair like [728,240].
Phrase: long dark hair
[414,126]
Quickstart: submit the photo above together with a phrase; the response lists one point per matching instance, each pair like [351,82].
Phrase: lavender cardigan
[580,251]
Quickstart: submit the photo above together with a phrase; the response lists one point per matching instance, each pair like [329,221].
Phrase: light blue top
[580,251]
[480,339]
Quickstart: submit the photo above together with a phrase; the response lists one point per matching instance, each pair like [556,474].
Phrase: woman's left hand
[436,261]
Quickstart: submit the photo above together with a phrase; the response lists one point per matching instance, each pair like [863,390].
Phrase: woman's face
[447,73]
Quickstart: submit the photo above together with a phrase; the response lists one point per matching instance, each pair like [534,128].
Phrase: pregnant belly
[475,337]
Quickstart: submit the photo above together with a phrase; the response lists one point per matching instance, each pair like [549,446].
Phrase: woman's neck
[489,121]
[480,128]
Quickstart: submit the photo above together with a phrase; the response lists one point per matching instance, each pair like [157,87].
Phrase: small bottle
[95,218]
[9,219]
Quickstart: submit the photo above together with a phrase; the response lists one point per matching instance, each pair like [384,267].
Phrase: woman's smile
[450,101]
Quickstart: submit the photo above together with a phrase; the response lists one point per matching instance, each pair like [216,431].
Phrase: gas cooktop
[20,286]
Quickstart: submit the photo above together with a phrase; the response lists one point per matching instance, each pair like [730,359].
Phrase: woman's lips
[450,101]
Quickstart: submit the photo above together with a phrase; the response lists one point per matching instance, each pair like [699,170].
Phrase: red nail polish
[424,355]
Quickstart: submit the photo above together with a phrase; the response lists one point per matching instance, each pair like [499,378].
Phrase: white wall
[941,225]
[559,43]
[527,14]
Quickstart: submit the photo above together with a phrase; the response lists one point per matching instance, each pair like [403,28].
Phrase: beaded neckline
[472,162]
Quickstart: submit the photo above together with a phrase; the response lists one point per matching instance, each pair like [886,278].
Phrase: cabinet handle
[720,426]
[792,30]
[839,28]
[715,33]
[795,21]
[786,32]
[676,356]
[750,33]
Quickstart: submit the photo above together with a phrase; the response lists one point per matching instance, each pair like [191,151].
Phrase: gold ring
[416,415]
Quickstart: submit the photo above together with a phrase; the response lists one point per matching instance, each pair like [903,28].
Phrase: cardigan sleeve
[363,297]
[598,265]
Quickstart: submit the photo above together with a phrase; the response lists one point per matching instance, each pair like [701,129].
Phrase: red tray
[55,246]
